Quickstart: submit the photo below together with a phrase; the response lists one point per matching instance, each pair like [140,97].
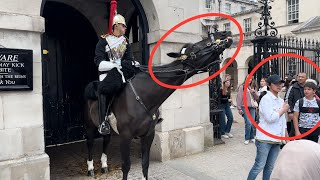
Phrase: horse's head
[201,55]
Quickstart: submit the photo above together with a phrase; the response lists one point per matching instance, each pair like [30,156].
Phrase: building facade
[230,7]
[62,35]
[293,19]
[227,6]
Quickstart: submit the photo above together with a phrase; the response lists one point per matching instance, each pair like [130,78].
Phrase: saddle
[91,92]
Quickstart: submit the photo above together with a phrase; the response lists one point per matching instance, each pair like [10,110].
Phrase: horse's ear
[174,54]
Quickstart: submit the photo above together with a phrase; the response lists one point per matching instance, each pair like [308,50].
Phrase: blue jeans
[266,157]
[248,125]
[226,112]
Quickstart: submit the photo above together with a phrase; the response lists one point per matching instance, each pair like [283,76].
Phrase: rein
[193,55]
[153,116]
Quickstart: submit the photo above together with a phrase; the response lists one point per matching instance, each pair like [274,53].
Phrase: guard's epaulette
[104,35]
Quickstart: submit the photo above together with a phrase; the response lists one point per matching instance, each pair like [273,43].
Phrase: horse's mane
[161,68]
[173,64]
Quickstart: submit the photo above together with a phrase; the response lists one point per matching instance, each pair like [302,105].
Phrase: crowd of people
[284,107]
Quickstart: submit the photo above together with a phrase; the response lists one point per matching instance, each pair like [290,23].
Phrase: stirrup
[104,128]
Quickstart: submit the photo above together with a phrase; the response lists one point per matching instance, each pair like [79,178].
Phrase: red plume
[113,8]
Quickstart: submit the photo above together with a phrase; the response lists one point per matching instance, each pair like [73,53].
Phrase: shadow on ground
[70,161]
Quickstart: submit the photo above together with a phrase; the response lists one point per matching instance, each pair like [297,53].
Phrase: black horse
[136,107]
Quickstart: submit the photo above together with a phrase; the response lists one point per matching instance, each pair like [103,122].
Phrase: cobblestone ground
[231,160]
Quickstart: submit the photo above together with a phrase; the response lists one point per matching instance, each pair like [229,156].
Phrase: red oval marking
[245,96]
[208,78]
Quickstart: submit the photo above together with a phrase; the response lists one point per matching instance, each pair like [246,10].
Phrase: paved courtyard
[231,160]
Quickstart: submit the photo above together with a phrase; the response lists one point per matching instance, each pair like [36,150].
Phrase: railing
[304,47]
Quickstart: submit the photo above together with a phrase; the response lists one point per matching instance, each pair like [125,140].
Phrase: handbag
[254,103]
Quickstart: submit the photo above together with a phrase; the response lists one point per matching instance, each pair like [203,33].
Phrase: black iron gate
[292,66]
[267,44]
[67,66]
[63,117]
[214,97]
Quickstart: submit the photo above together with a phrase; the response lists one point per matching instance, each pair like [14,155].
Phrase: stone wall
[186,126]
[22,153]
[185,129]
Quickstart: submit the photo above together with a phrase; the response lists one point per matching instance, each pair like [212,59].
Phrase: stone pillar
[22,154]
[186,125]
[186,112]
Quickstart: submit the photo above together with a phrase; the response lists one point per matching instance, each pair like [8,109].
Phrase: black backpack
[308,109]
[261,95]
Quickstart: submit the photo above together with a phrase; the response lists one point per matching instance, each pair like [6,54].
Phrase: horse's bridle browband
[215,46]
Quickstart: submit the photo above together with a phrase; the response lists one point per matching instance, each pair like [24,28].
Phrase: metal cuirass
[118,47]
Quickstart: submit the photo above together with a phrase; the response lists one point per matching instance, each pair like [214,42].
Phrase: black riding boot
[104,127]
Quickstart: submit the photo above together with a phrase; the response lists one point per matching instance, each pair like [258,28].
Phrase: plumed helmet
[118,19]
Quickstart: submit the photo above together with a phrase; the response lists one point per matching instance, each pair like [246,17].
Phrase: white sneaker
[253,140]
[246,142]
[232,107]
[230,135]
[225,136]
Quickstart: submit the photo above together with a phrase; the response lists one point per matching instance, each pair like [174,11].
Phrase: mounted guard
[133,116]
[115,62]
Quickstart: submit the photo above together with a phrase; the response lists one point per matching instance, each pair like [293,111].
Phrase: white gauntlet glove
[107,66]
[135,63]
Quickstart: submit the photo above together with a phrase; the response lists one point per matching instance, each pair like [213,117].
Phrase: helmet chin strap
[117,32]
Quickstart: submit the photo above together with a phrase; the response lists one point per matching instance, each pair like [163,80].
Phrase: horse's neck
[152,94]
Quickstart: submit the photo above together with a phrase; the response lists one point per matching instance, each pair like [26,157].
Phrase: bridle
[210,46]
[193,55]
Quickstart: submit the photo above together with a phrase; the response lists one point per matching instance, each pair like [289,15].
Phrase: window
[226,27]
[208,21]
[208,4]
[293,11]
[247,25]
[227,8]
[242,8]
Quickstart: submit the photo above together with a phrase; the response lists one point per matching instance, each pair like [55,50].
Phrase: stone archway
[23,134]
[63,65]
[97,14]
[70,53]
[95,17]
[249,63]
